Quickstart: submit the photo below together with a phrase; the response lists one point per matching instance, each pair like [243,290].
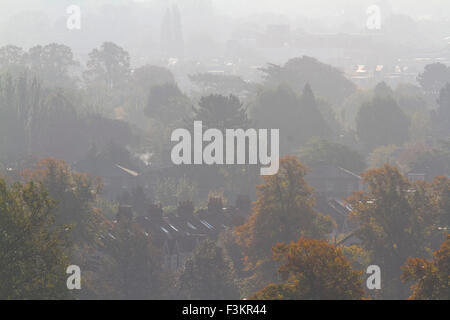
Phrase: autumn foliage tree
[283,212]
[312,269]
[33,251]
[395,219]
[74,194]
[431,279]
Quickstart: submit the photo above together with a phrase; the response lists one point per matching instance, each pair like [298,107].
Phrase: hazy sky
[29,22]
[245,7]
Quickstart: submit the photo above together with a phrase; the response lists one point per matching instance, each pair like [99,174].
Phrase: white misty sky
[245,7]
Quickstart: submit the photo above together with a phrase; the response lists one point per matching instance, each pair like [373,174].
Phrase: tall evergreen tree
[221,112]
[381,121]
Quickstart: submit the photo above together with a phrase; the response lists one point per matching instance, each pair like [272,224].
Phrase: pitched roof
[129,171]
[331,172]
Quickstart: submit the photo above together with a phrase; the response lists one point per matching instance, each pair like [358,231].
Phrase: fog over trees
[357,94]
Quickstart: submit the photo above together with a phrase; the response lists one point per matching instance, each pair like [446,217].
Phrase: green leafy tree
[143,79]
[11,59]
[20,103]
[434,162]
[167,103]
[74,194]
[208,275]
[327,81]
[108,67]
[410,98]
[434,77]
[52,64]
[33,250]
[298,117]
[133,269]
[320,151]
[311,120]
[56,128]
[148,76]
[278,108]
[381,121]
[221,112]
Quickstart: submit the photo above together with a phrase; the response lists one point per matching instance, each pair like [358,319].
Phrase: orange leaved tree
[283,212]
[396,219]
[313,269]
[431,279]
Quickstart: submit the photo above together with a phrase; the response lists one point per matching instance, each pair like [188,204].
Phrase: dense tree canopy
[396,220]
[110,120]
[74,194]
[108,67]
[312,269]
[208,275]
[52,64]
[327,81]
[298,117]
[320,151]
[434,162]
[430,278]
[167,103]
[134,268]
[221,112]
[283,212]
[381,121]
[33,252]
[434,77]
[11,59]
